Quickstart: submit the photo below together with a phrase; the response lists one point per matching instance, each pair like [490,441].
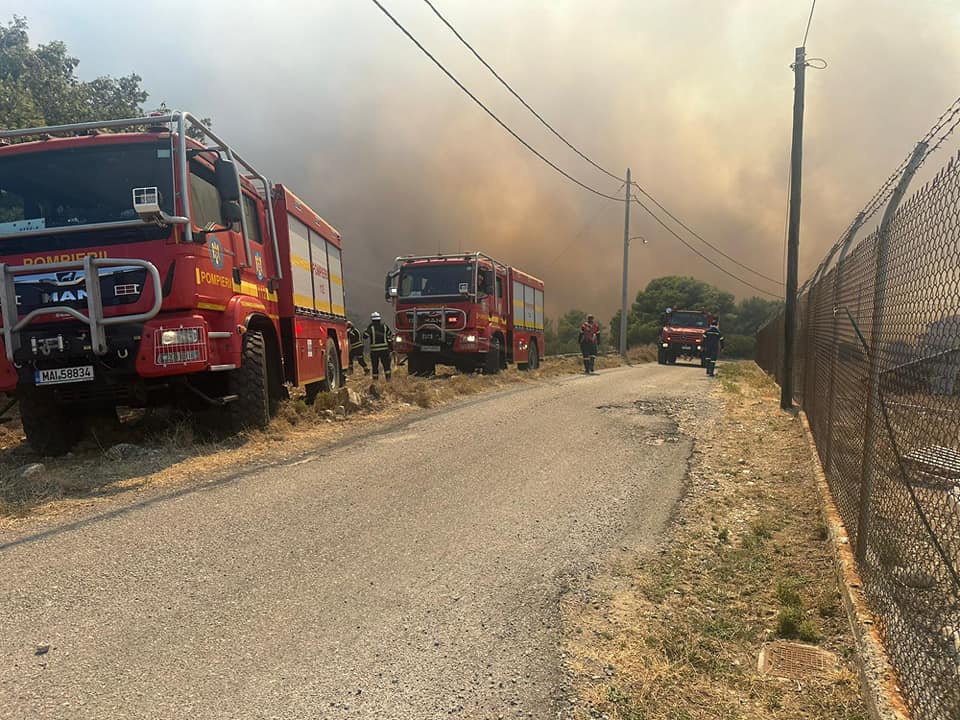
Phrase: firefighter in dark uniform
[712,345]
[380,337]
[355,339]
[589,339]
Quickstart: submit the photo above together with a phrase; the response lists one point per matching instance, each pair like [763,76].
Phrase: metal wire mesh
[891,447]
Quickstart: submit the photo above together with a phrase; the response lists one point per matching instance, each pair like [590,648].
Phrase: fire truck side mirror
[230,212]
[389,289]
[226,179]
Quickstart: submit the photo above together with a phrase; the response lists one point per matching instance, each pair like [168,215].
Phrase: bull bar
[94,318]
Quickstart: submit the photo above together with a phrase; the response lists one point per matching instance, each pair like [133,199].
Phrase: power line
[570,145]
[697,252]
[809,20]
[487,110]
[703,240]
[517,96]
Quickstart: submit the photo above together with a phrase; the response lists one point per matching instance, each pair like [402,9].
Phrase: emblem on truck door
[216,253]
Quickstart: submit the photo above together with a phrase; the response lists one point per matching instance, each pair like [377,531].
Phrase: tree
[751,315]
[38,86]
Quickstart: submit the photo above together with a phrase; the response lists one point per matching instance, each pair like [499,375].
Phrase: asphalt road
[413,573]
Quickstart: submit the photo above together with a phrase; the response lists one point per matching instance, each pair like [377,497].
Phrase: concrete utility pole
[793,236]
[626,262]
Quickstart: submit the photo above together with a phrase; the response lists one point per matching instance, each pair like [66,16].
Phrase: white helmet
[374,316]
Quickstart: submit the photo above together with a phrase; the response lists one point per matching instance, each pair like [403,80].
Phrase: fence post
[876,329]
[837,281]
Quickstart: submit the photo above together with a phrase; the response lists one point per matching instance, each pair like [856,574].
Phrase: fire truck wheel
[50,430]
[492,362]
[331,368]
[421,366]
[250,383]
[533,359]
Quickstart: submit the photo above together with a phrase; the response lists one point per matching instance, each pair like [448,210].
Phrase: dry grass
[677,636]
[175,451]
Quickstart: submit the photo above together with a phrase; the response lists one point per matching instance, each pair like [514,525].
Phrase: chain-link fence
[877,371]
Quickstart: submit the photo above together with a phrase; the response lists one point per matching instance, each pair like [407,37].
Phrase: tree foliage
[687,293]
[562,338]
[39,86]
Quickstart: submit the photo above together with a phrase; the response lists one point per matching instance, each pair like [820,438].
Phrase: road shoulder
[747,564]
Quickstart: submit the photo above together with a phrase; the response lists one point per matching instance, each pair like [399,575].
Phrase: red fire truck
[139,266]
[682,335]
[465,310]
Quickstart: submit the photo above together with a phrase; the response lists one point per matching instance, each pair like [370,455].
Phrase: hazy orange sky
[695,96]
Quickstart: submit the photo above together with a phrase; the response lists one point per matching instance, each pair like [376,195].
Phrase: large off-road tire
[421,365]
[49,428]
[492,362]
[533,359]
[331,368]
[250,382]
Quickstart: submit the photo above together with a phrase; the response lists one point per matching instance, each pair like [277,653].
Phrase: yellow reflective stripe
[300,262]
[339,310]
[211,306]
[303,300]
[336,279]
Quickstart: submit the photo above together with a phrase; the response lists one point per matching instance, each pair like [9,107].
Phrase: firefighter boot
[586,366]
[593,362]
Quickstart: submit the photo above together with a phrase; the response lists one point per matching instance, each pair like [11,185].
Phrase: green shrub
[739,346]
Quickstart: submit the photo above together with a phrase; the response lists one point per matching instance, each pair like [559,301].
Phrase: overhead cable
[513,92]
[703,240]
[697,252]
[487,110]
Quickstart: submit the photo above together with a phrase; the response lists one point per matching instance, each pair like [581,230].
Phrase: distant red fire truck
[465,310]
[682,335]
[139,266]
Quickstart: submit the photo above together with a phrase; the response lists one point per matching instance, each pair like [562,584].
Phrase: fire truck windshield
[688,319]
[451,279]
[50,189]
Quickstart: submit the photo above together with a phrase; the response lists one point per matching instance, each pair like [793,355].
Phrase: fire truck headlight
[666,344]
[470,338]
[699,348]
[183,336]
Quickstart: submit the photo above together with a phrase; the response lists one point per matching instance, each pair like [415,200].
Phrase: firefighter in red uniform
[380,336]
[589,339]
[355,339]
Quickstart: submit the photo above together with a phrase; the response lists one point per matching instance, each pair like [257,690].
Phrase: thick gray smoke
[695,96]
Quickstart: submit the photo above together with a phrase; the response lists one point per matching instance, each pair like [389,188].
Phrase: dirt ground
[677,636]
[162,449]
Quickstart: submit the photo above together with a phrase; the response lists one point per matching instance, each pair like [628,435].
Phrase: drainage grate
[796,661]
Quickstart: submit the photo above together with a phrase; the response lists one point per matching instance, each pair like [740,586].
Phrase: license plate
[687,347]
[56,376]
[430,348]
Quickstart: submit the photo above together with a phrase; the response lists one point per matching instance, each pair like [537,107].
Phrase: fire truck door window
[252,219]
[485,281]
[204,198]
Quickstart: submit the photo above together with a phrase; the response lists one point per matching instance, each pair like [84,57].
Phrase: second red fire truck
[466,310]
